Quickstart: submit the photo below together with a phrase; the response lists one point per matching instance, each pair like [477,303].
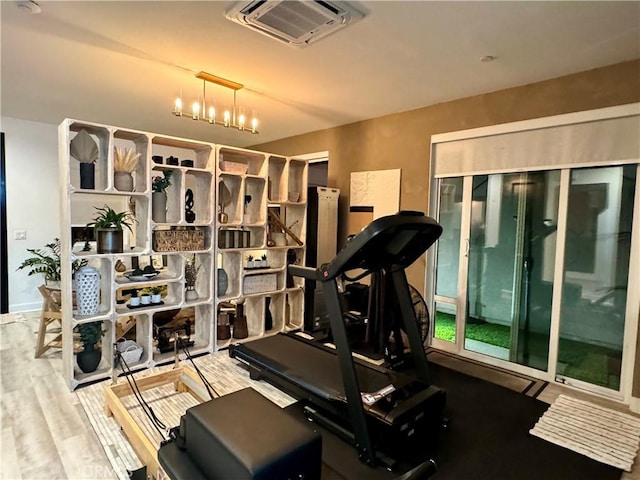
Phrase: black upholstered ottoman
[245,436]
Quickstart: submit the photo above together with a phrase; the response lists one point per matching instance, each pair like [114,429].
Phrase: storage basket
[178,240]
[130,351]
[266,282]
[233,167]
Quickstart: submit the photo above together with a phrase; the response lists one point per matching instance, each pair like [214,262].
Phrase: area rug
[225,375]
[597,432]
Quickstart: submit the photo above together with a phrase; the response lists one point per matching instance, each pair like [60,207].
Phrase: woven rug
[225,374]
[597,432]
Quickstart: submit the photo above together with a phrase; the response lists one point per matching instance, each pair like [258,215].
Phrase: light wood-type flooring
[45,433]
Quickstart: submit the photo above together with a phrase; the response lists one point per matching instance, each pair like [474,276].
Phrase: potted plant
[90,334]
[47,262]
[124,164]
[145,296]
[84,149]
[159,196]
[134,301]
[250,262]
[156,294]
[109,226]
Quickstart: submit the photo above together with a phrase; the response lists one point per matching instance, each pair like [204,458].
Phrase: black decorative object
[268,318]
[187,163]
[157,159]
[172,160]
[87,176]
[89,359]
[189,214]
[292,258]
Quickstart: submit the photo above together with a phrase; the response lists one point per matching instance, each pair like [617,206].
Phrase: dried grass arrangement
[125,159]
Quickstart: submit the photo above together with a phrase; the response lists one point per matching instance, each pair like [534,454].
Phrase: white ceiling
[122,63]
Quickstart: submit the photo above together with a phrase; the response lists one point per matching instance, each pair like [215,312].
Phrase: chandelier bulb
[212,115]
[177,107]
[196,111]
[227,118]
[254,124]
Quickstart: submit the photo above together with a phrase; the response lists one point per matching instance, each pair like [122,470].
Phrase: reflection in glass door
[511,266]
[448,259]
[596,271]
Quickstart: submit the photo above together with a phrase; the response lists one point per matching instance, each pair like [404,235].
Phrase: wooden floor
[47,435]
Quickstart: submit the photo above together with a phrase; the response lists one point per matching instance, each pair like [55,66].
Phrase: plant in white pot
[90,334]
[156,294]
[109,227]
[84,149]
[125,161]
[159,196]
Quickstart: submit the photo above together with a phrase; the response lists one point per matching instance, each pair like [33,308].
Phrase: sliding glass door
[448,259]
[596,274]
[505,289]
[511,266]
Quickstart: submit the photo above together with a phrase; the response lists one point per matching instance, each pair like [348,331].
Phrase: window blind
[586,143]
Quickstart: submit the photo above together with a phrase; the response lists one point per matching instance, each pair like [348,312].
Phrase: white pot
[145,299]
[156,298]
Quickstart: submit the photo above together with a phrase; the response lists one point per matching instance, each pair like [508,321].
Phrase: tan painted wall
[402,140]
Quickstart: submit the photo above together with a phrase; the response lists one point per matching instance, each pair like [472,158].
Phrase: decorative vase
[240,327]
[89,359]
[88,175]
[109,240]
[223,327]
[159,207]
[268,318]
[223,282]
[88,296]
[191,294]
[123,181]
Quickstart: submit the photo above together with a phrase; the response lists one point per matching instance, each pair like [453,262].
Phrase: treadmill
[378,410]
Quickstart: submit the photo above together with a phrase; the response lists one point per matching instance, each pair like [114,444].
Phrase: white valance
[580,139]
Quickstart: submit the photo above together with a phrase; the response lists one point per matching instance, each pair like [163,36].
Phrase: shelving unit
[251,182]
[257,183]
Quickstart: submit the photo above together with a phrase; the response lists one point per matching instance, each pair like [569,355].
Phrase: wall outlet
[20,234]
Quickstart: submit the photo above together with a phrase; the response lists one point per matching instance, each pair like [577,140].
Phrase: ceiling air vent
[294,22]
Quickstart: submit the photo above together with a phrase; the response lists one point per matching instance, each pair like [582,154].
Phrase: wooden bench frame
[184,379]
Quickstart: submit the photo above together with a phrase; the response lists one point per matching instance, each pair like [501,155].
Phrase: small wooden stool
[51,313]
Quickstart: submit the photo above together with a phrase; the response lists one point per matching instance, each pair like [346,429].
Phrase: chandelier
[201,110]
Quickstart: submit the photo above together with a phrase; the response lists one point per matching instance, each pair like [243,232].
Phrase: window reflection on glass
[596,270]
[450,218]
[448,257]
[511,266]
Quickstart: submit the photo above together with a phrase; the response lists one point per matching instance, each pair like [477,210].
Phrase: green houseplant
[109,226]
[90,334]
[47,262]
[159,186]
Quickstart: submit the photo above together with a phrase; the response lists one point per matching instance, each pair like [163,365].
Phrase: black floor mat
[487,437]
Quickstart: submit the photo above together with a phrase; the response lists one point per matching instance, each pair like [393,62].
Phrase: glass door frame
[632,313]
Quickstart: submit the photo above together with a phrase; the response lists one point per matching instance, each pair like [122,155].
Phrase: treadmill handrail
[310,273]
